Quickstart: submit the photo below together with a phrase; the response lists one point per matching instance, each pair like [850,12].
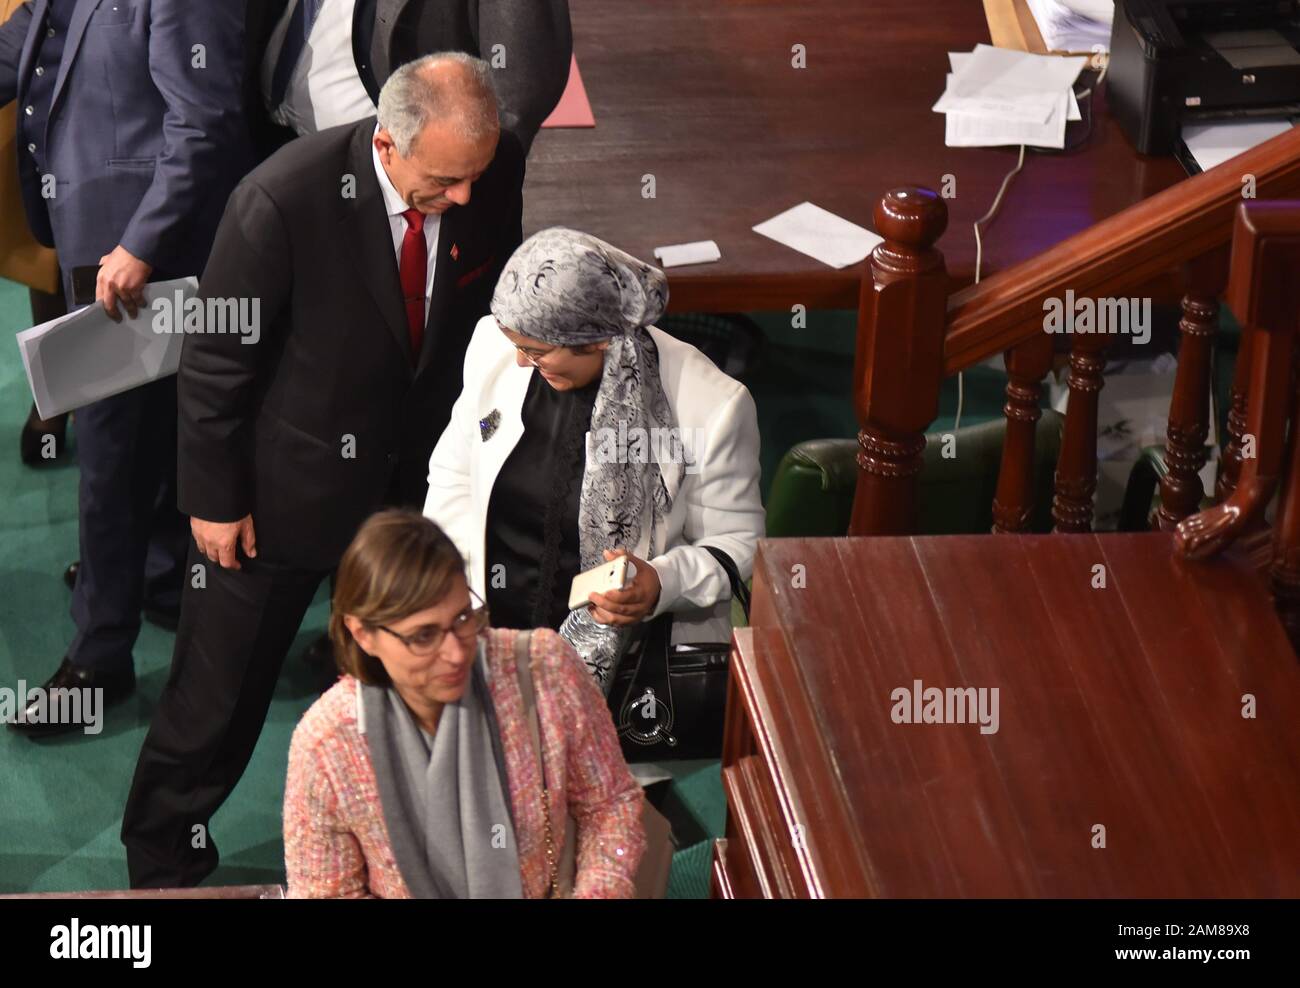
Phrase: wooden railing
[911,336]
[1264,295]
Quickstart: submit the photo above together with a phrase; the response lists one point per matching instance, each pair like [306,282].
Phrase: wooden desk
[703,97]
[1119,707]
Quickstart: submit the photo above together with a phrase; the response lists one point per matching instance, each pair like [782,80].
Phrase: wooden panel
[1038,740]
[1129,718]
[720,886]
[755,817]
[1120,706]
[1248,769]
[809,800]
[862,643]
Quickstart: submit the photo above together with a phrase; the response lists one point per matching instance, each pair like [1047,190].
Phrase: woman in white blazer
[582,433]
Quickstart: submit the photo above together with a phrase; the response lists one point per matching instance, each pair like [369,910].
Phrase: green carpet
[62,798]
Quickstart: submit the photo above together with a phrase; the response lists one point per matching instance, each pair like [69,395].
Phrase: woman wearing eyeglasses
[416,774]
[583,432]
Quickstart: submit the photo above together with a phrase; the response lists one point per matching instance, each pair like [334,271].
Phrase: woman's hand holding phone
[637,599]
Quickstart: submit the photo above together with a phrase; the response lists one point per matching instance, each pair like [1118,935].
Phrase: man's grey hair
[413,97]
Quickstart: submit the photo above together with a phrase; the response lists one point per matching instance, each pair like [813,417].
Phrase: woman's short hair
[399,563]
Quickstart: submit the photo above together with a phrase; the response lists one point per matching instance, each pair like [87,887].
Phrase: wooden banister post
[1265,297]
[1181,489]
[898,367]
[1076,470]
[1027,365]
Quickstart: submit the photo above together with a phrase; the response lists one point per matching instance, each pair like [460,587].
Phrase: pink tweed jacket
[336,844]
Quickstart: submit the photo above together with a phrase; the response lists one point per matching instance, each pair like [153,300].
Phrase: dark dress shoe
[70,574]
[31,443]
[68,701]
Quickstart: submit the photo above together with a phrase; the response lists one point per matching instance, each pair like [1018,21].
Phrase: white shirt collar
[392,200]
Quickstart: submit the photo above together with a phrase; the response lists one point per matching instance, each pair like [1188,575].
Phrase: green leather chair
[812,492]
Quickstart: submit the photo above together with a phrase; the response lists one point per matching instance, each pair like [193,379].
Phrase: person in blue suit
[131,136]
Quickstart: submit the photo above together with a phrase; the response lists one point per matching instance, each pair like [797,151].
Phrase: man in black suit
[370,251]
[319,63]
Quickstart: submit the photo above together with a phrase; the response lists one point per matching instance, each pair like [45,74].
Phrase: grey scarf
[445,798]
[569,289]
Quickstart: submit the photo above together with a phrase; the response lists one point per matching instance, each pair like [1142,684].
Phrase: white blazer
[717,504]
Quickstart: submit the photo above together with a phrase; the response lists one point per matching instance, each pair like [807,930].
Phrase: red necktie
[414,271]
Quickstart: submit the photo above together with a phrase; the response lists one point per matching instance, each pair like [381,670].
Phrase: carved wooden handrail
[1264,294]
[1120,253]
[910,337]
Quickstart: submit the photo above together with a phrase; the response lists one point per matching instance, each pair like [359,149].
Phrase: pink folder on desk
[574,109]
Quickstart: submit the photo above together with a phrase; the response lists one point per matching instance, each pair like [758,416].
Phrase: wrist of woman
[669,586]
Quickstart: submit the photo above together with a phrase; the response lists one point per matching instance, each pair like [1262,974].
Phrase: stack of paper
[84,356]
[997,97]
[1074,25]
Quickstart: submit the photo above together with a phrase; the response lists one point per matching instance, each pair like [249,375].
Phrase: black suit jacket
[326,417]
[536,37]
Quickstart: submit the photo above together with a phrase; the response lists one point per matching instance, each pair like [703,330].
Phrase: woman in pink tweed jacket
[428,785]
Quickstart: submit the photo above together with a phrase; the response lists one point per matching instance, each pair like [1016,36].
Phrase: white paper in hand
[85,356]
[820,234]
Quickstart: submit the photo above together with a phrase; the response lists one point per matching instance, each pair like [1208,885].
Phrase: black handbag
[668,701]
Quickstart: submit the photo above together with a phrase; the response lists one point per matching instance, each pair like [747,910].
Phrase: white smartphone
[599,579]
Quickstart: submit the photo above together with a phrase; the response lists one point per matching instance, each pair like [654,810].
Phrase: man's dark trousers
[236,628]
[132,538]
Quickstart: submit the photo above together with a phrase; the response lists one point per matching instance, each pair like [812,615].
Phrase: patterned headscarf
[570,289]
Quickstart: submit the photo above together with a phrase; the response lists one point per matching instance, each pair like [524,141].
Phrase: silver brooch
[487,427]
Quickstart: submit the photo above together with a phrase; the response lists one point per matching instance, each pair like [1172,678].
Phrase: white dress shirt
[325,89]
[397,225]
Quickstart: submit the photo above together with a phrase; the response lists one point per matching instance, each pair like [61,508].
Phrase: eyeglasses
[536,357]
[427,640]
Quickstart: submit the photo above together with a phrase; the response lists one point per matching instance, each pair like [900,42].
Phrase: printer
[1178,61]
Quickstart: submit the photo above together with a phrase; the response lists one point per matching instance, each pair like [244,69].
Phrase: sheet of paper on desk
[1214,143]
[84,356]
[820,234]
[1011,84]
[958,60]
[994,97]
[963,130]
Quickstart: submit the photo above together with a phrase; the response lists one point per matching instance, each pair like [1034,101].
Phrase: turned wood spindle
[1076,470]
[1027,365]
[1230,465]
[1181,489]
[898,367]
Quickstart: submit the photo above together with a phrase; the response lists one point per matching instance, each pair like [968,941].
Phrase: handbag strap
[528,694]
[651,674]
[524,671]
[738,588]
